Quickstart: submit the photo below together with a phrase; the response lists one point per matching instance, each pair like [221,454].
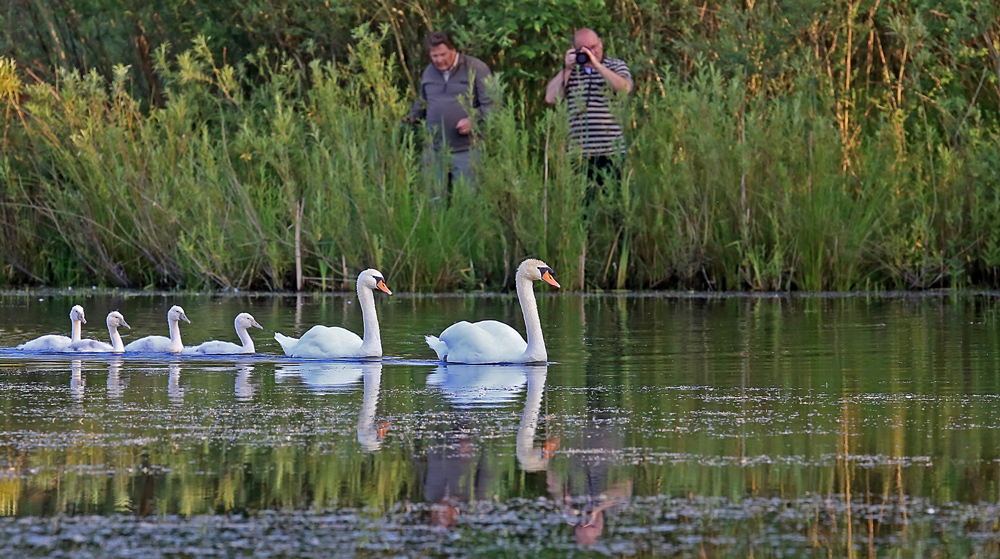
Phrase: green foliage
[826,145]
[527,39]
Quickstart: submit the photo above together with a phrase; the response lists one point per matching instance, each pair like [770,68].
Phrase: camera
[581,57]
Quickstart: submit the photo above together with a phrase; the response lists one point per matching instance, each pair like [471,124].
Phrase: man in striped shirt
[587,82]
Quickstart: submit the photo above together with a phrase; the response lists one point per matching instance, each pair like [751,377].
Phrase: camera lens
[581,57]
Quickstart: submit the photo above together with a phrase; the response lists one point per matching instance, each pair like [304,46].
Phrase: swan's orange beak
[383,287]
[547,276]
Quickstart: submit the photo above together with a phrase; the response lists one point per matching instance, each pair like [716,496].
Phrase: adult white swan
[162,344]
[114,321]
[243,321]
[57,342]
[489,341]
[333,342]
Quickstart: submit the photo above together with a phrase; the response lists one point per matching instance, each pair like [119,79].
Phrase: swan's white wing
[327,342]
[48,342]
[214,347]
[487,341]
[157,344]
[90,346]
[501,333]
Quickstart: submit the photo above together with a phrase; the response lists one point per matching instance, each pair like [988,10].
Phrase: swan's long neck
[371,343]
[530,459]
[116,339]
[536,345]
[175,334]
[241,331]
[77,326]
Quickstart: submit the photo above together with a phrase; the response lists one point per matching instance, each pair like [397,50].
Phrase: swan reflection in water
[175,392]
[77,383]
[454,472]
[329,378]
[115,387]
[244,389]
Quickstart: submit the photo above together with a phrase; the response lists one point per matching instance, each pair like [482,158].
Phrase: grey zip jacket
[440,102]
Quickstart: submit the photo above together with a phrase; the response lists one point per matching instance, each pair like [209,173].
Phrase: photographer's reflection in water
[585,484]
[586,513]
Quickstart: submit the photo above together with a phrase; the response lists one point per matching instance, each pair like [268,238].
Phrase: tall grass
[254,174]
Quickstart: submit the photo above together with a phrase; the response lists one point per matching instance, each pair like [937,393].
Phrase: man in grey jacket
[452,82]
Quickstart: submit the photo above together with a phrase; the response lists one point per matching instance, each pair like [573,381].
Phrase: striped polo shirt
[591,125]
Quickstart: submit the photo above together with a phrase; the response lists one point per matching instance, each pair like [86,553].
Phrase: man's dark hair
[439,38]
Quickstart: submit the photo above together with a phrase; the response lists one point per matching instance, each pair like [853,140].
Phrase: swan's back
[216,347]
[90,346]
[48,342]
[487,341]
[323,342]
[155,344]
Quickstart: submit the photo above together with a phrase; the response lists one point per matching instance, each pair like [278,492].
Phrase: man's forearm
[554,91]
[616,82]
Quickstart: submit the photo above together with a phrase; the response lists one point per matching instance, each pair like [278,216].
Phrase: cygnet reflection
[77,383]
[175,392]
[244,389]
[115,386]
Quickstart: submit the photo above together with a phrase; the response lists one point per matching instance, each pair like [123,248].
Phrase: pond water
[681,426]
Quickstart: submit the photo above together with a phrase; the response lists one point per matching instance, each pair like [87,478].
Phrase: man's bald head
[588,38]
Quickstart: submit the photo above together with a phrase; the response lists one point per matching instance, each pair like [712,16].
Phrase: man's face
[443,57]
[592,42]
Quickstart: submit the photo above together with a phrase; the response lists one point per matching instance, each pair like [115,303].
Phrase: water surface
[662,426]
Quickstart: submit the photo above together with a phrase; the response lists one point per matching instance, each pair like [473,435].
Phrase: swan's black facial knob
[380,284]
[548,274]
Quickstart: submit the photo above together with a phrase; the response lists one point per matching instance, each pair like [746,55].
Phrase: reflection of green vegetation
[734,399]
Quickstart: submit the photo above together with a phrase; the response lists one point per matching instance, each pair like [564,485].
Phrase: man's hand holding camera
[581,56]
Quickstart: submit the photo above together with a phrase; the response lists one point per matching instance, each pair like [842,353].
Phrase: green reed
[257,174]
